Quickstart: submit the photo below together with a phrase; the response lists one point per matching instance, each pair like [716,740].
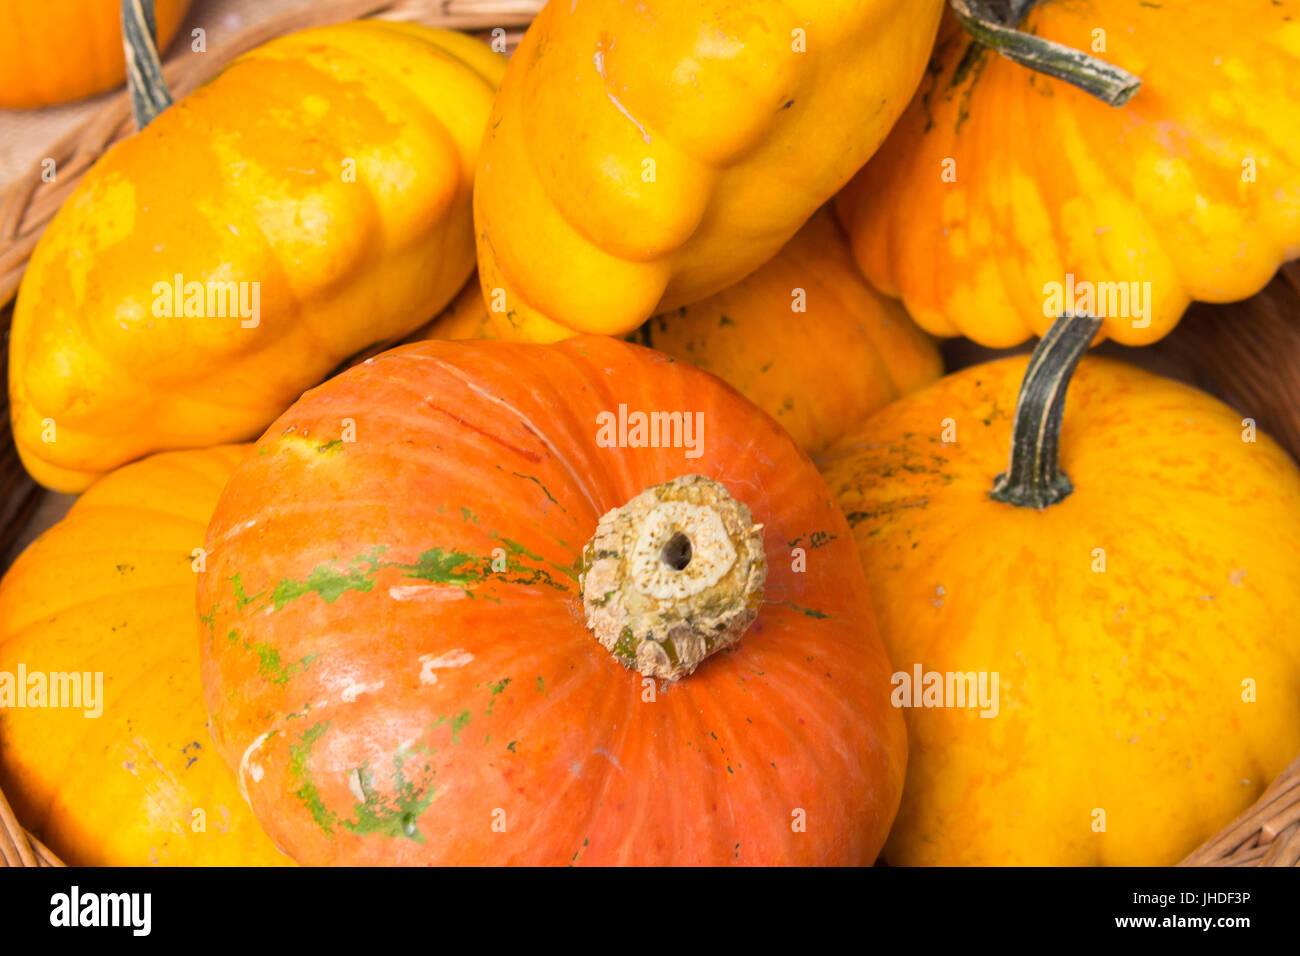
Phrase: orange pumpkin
[59,50]
[396,659]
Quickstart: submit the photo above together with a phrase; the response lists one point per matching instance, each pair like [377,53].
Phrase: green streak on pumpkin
[242,600]
[272,667]
[307,791]
[445,567]
[545,490]
[458,723]
[330,447]
[514,547]
[807,611]
[396,817]
[329,582]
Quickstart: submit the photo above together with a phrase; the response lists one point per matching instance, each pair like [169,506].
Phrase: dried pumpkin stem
[674,575]
[144,79]
[1107,82]
[1033,478]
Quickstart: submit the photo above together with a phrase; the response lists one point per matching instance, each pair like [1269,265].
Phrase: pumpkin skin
[1150,192]
[244,181]
[819,372]
[733,117]
[411,707]
[1119,690]
[111,588]
[60,50]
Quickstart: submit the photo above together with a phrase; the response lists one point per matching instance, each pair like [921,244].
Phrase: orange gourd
[397,599]
[53,51]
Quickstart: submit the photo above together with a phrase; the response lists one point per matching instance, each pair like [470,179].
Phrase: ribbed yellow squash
[644,156]
[110,591]
[1000,189]
[310,201]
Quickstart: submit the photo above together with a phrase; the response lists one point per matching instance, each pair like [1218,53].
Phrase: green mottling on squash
[330,447]
[242,600]
[329,582]
[394,818]
[308,792]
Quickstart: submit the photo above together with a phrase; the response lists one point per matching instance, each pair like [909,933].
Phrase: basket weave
[1247,353]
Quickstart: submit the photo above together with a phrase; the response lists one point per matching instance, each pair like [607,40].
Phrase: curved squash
[110,590]
[311,200]
[644,156]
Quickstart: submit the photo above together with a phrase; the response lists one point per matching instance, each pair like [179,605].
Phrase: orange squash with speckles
[999,188]
[406,549]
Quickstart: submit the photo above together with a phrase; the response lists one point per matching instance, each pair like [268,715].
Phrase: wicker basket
[1247,353]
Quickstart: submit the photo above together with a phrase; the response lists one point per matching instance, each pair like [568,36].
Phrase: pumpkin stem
[1107,82]
[674,575]
[1033,478]
[144,79]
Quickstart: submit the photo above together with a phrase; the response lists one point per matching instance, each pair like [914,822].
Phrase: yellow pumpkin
[1141,609]
[805,339]
[110,591]
[323,181]
[53,51]
[1001,191]
[644,156]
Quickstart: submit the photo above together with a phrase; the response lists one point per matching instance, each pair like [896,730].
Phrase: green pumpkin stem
[144,78]
[1107,82]
[1033,478]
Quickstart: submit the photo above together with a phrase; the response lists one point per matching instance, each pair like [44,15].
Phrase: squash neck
[1034,478]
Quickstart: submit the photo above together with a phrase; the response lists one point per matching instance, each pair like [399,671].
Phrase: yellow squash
[1001,190]
[644,156]
[1144,626]
[109,591]
[312,200]
[52,51]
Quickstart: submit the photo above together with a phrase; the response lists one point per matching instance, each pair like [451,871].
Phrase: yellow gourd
[1140,608]
[110,590]
[644,156]
[310,201]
